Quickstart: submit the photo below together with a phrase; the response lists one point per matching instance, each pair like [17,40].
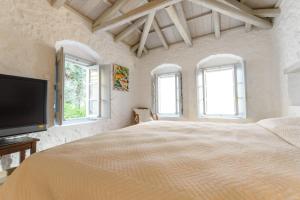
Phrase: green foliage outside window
[74,91]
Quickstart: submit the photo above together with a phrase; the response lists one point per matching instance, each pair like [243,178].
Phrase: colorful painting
[121,80]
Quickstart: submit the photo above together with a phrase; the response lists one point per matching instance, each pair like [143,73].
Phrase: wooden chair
[143,115]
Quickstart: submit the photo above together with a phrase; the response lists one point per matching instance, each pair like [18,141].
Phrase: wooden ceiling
[150,24]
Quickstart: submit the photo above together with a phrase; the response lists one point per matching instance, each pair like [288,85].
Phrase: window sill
[169,117]
[222,117]
[75,122]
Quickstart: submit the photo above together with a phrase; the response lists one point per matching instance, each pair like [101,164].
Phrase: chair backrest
[142,115]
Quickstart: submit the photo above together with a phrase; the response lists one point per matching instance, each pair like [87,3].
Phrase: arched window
[221,87]
[82,84]
[166,91]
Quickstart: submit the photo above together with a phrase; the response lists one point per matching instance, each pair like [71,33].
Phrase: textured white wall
[29,30]
[263,96]
[286,39]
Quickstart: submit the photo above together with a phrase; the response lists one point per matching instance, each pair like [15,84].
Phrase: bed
[168,160]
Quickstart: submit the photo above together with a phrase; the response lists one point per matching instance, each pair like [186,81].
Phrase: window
[221,91]
[83,89]
[167,93]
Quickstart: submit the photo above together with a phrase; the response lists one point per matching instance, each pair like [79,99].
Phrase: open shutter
[200,92]
[59,97]
[179,95]
[93,92]
[154,94]
[105,80]
[241,90]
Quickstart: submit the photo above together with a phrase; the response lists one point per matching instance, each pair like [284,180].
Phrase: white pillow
[288,128]
[144,115]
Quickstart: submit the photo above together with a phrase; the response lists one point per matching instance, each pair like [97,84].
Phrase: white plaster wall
[286,38]
[263,95]
[29,30]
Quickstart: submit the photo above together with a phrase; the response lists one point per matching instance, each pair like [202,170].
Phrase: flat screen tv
[23,105]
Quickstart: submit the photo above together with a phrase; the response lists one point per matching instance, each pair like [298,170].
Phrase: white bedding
[168,161]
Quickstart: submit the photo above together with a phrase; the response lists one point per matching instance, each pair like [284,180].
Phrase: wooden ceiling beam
[160,34]
[242,15]
[182,18]
[188,20]
[248,27]
[216,24]
[270,12]
[273,12]
[127,31]
[135,14]
[58,3]
[145,33]
[136,46]
[110,11]
[179,25]
[238,5]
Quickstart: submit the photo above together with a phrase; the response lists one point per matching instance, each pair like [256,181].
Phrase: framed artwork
[120,78]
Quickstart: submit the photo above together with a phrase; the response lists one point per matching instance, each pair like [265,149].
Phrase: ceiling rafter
[145,14]
[248,27]
[145,33]
[160,34]
[216,23]
[170,26]
[179,25]
[135,14]
[274,12]
[239,14]
[110,11]
[267,12]
[158,31]
[182,18]
[135,47]
[128,30]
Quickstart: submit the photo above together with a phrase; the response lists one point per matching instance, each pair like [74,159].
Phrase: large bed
[170,161]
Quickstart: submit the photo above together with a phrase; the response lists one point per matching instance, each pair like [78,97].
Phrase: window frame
[88,65]
[178,92]
[202,101]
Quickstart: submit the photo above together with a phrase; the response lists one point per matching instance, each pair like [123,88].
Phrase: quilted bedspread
[163,160]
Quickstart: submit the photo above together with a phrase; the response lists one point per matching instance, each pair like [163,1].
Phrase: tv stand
[14,145]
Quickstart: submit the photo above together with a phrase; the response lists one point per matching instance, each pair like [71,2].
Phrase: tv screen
[23,105]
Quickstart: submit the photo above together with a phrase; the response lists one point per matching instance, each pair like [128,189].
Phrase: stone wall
[254,47]
[29,30]
[286,39]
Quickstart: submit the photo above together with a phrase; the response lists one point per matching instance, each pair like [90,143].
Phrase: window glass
[75,93]
[220,91]
[167,97]
[166,90]
[81,90]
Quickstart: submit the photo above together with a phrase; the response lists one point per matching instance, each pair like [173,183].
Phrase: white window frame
[178,86]
[88,65]
[105,88]
[239,94]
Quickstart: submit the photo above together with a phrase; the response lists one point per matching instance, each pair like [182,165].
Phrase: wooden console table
[18,145]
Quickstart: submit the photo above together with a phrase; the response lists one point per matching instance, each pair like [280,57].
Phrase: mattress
[168,160]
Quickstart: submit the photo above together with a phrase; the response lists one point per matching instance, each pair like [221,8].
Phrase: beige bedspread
[166,160]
